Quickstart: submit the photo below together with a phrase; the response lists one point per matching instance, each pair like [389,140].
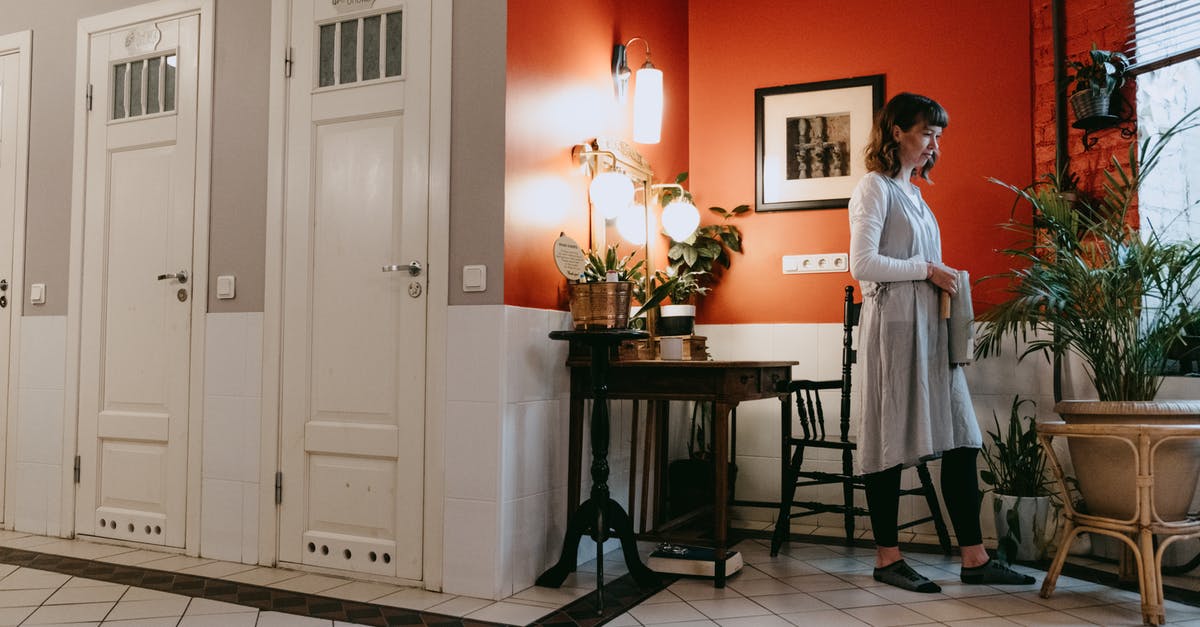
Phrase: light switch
[474,278]
[37,294]
[225,286]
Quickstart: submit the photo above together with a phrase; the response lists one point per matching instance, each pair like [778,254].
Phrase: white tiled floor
[807,584]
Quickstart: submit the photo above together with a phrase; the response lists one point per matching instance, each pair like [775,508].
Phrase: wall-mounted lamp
[648,97]
[680,217]
[611,190]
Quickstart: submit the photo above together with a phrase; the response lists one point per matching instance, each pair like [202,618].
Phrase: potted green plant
[600,299]
[696,261]
[1094,287]
[1095,79]
[679,317]
[1022,495]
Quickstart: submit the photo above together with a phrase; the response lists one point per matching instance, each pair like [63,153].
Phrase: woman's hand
[944,277]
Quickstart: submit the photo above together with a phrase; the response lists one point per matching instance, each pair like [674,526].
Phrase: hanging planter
[1090,103]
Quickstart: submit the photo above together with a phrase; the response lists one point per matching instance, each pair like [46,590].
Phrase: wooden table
[724,383]
[600,516]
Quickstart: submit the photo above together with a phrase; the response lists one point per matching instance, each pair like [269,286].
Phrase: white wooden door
[139,201]
[356,201]
[13,132]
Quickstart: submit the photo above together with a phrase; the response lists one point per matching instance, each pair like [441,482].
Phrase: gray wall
[239,160]
[239,143]
[477,147]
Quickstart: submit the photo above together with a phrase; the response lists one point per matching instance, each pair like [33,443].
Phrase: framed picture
[809,141]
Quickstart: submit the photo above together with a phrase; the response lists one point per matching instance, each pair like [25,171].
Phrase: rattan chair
[805,395]
[1137,531]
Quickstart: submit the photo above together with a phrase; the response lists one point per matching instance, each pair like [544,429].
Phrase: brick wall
[1106,24]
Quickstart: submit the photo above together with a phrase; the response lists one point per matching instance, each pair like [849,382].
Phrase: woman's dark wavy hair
[903,110]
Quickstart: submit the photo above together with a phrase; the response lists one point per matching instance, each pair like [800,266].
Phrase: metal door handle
[181,276]
[413,268]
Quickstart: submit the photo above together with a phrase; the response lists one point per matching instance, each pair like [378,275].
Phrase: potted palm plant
[1092,286]
[1022,496]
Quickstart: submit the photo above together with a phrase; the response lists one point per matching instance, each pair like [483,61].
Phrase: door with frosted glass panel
[353,336]
[135,334]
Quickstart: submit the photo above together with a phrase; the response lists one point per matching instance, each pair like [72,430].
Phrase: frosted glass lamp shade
[611,192]
[680,219]
[648,105]
[631,224]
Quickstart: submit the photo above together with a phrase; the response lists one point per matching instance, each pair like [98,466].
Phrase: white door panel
[353,336]
[14,67]
[135,334]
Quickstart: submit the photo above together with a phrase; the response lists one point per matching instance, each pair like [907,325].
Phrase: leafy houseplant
[600,300]
[1094,81]
[1092,286]
[1095,287]
[1016,474]
[710,245]
[695,262]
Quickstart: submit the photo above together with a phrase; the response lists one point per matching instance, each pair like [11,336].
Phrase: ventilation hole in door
[131,527]
[103,523]
[312,548]
[112,524]
[148,529]
[387,559]
[346,553]
[324,550]
[158,530]
[372,556]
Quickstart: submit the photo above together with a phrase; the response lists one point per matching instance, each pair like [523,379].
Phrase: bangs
[933,113]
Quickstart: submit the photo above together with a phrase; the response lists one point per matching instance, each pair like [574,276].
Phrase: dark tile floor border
[620,595]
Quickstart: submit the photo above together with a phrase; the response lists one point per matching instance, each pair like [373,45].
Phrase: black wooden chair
[806,397]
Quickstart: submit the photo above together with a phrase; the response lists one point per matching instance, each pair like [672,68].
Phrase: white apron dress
[914,404]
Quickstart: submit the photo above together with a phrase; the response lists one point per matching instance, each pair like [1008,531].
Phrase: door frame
[20,42]
[437,292]
[88,26]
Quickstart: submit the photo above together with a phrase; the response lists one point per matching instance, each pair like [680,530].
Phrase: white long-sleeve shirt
[868,212]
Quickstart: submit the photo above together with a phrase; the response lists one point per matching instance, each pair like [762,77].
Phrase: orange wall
[559,93]
[973,57]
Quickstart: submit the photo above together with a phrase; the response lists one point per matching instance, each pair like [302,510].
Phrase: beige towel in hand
[962,322]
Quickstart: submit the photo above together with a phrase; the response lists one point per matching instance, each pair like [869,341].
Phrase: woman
[915,405]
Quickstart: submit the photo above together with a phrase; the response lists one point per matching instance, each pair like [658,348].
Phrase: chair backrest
[807,392]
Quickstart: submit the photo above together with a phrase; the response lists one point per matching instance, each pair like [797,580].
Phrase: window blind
[1164,32]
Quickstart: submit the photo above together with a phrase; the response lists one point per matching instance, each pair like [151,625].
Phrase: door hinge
[77,464]
[88,98]
[287,63]
[278,487]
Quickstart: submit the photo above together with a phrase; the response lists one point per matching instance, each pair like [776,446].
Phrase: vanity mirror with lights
[619,197]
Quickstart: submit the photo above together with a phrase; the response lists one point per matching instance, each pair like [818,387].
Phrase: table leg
[721,483]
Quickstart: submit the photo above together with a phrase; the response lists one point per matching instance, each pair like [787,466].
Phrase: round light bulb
[631,223]
[610,193]
[680,219]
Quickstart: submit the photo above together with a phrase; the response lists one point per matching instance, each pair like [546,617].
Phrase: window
[143,87]
[352,51]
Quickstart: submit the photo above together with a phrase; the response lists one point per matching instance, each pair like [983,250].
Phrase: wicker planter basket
[600,305]
[1087,104]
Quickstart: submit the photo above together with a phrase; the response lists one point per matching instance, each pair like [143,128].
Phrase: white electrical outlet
[824,262]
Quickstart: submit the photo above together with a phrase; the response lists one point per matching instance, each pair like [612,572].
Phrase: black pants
[960,491]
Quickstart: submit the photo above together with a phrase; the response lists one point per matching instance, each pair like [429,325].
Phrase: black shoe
[995,572]
[902,576]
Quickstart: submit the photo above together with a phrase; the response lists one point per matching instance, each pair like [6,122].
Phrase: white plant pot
[1036,521]
[676,320]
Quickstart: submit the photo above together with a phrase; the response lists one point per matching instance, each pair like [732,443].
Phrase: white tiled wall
[38,427]
[506,451]
[232,427]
